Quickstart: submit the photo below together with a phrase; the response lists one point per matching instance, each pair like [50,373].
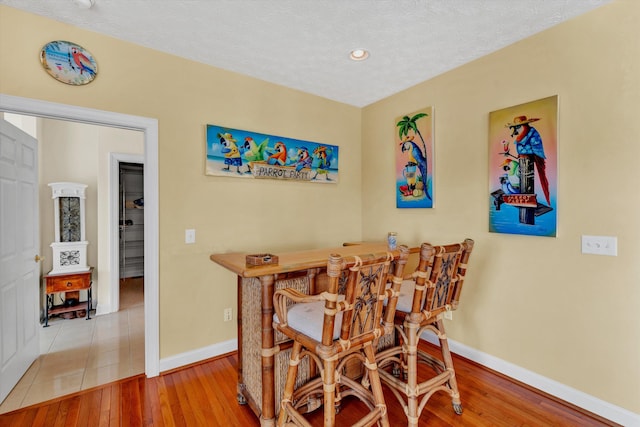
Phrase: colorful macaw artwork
[414,160]
[245,154]
[68,62]
[523,147]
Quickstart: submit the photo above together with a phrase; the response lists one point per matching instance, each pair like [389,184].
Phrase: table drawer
[68,283]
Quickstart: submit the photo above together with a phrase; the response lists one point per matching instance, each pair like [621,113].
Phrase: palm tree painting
[414,160]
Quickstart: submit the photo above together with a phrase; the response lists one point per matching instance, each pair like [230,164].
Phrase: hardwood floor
[204,394]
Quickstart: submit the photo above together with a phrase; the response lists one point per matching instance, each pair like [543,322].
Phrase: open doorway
[78,354]
[149,127]
[131,234]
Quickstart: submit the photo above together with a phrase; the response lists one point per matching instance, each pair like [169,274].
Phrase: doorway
[78,354]
[127,230]
[149,127]
[131,233]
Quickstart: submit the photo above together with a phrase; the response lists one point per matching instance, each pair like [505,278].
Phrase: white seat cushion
[405,299]
[308,318]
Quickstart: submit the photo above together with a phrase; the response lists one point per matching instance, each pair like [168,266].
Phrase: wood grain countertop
[296,260]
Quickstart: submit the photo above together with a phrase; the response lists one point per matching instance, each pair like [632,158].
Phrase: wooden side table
[71,284]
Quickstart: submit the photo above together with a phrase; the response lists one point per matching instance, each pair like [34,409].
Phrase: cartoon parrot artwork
[510,180]
[416,158]
[82,63]
[323,155]
[529,144]
[230,151]
[278,154]
[253,152]
[506,185]
[303,159]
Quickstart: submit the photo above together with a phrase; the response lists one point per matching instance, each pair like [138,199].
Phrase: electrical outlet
[600,245]
[228,314]
[448,315]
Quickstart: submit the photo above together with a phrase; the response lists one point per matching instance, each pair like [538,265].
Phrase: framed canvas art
[523,163]
[414,159]
[246,154]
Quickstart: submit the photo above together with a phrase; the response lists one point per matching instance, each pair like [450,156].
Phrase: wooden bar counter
[263,355]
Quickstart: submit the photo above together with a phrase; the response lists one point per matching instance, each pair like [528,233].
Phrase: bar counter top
[296,260]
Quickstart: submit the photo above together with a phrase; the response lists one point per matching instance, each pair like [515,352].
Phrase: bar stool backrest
[440,277]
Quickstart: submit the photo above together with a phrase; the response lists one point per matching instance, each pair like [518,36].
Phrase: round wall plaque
[68,62]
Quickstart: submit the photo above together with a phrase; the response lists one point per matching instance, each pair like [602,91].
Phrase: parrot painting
[278,154]
[303,159]
[506,185]
[529,144]
[253,152]
[512,174]
[323,156]
[82,63]
[230,151]
[416,158]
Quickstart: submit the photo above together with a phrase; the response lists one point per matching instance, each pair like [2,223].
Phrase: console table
[71,284]
[263,356]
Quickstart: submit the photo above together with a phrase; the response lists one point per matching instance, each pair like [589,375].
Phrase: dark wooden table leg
[89,303]
[46,310]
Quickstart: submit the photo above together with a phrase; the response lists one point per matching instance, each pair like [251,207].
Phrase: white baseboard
[198,355]
[554,388]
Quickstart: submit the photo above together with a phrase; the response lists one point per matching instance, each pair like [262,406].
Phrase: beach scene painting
[245,154]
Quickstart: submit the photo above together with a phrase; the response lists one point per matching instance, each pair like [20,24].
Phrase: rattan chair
[332,329]
[435,288]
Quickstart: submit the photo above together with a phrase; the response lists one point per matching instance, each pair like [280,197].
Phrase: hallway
[78,354]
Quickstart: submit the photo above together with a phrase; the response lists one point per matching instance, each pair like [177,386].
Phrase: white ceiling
[305,44]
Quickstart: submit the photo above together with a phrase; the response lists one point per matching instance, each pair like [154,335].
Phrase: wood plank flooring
[204,394]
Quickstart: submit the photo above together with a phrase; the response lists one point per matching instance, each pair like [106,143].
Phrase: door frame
[149,126]
[114,236]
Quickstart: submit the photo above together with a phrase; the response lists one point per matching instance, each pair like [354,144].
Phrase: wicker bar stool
[333,328]
[434,289]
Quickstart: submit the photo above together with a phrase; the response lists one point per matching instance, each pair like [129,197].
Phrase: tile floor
[78,354]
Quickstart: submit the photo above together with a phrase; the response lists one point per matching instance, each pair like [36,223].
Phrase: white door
[19,246]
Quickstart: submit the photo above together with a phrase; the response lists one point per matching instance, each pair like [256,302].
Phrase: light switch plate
[190,236]
[600,245]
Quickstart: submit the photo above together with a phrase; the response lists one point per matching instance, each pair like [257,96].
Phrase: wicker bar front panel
[386,341]
[252,341]
[281,366]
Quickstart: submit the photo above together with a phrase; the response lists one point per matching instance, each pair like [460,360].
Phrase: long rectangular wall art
[245,154]
[523,168]
[414,159]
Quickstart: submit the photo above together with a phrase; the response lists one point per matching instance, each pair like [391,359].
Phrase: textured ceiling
[305,44]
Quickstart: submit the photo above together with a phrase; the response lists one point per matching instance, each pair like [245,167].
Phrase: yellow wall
[228,214]
[78,152]
[533,301]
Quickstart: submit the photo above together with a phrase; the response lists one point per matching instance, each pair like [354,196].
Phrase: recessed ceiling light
[84,4]
[359,54]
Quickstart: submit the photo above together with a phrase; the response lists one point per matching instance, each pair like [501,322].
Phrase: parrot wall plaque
[68,62]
